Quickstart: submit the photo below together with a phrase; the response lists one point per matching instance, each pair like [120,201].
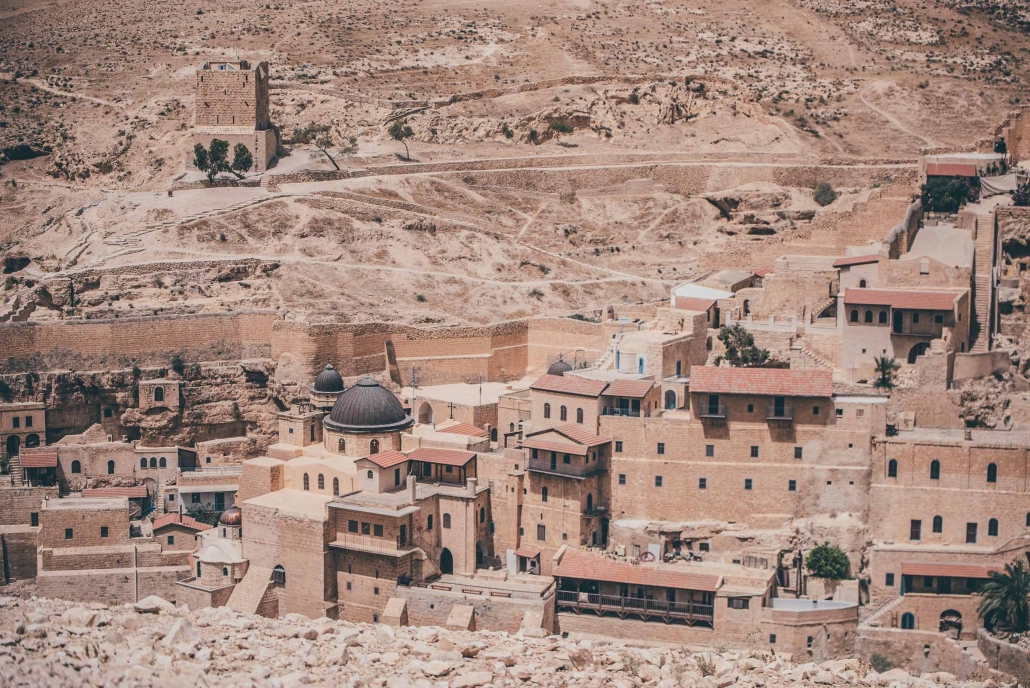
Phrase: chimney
[969,435]
[411,488]
[471,488]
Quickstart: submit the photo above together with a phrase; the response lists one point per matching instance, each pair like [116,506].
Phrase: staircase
[875,617]
[247,595]
[160,498]
[14,467]
[607,358]
[983,266]
[809,360]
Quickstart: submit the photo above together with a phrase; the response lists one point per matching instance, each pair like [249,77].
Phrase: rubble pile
[151,643]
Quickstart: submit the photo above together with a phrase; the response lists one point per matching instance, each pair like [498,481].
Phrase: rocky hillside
[54,643]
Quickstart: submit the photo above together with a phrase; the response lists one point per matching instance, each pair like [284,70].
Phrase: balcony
[779,413]
[390,546]
[565,469]
[713,412]
[691,612]
[618,411]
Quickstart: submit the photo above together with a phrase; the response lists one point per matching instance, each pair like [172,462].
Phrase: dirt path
[68,94]
[895,122]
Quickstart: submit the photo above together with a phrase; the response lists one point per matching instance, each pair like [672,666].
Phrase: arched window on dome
[373,447]
[321,481]
[342,445]
[307,483]
[336,486]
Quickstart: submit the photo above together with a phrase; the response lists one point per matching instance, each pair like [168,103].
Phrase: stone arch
[32,440]
[908,621]
[13,445]
[425,413]
[159,394]
[446,561]
[917,351]
[670,399]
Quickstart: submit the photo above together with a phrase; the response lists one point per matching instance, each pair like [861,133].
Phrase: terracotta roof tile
[181,520]
[387,459]
[577,564]
[950,169]
[948,570]
[761,381]
[579,434]
[132,492]
[855,260]
[570,384]
[465,429]
[636,389]
[527,552]
[447,457]
[689,303]
[898,298]
[546,444]
[40,459]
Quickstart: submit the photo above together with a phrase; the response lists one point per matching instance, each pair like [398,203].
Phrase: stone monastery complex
[614,478]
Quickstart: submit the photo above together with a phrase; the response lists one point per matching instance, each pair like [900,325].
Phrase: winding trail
[892,119]
[68,94]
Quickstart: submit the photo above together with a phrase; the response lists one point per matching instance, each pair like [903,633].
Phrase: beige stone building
[232,105]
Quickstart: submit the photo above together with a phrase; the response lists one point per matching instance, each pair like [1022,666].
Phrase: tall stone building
[232,105]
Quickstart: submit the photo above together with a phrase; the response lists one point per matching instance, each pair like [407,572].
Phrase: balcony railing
[370,543]
[712,411]
[691,612]
[784,413]
[618,411]
[559,468]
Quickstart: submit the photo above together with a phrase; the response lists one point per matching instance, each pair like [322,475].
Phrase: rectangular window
[709,450]
[915,530]
[798,451]
[661,447]
[16,422]
[28,421]
[622,478]
[448,469]
[702,483]
[34,518]
[971,533]
[738,602]
[618,446]
[747,483]
[536,454]
[195,498]
[938,318]
[352,526]
[658,481]
[754,451]
[888,580]
[377,529]
[171,539]
[375,591]
[915,318]
[541,532]
[366,528]
[792,486]
[750,408]
[67,533]
[772,638]
[840,413]
[103,531]
[815,410]
[349,585]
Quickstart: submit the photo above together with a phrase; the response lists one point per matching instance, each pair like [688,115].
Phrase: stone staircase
[806,357]
[983,266]
[876,616]
[247,595]
[14,467]
[160,505]
[18,312]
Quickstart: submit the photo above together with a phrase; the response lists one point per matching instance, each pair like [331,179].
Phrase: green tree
[399,131]
[204,514]
[1005,599]
[741,351]
[560,127]
[829,561]
[1021,196]
[886,369]
[944,194]
[824,194]
[242,160]
[215,159]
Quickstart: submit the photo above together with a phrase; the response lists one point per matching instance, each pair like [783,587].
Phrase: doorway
[446,561]
[13,445]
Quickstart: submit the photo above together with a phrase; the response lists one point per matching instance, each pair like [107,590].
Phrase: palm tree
[886,367]
[1005,599]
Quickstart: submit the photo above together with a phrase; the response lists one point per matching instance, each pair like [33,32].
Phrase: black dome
[367,407]
[328,381]
[559,367]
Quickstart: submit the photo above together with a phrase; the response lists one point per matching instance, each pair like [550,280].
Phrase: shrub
[944,194]
[706,665]
[1021,196]
[420,298]
[740,347]
[829,561]
[880,664]
[177,365]
[824,194]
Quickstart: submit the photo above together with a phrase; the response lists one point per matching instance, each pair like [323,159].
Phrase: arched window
[935,470]
[861,284]
[32,440]
[143,462]
[342,445]
[321,481]
[992,472]
[547,410]
[307,483]
[77,468]
[511,427]
[579,416]
[446,520]
[198,569]
[1028,519]
[590,502]
[279,575]
[493,434]
[892,468]
[854,315]
[883,317]
[110,467]
[908,621]
[336,486]
[938,524]
[543,494]
[563,413]
[429,522]
[373,447]
[159,394]
[482,514]
[153,462]
[162,463]
[370,475]
[225,571]
[869,316]
[992,527]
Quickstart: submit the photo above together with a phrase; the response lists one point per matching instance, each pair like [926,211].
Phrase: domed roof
[328,381]
[367,407]
[559,367]
[232,516]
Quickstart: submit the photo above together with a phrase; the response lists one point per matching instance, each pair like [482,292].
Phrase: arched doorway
[908,621]
[446,561]
[13,445]
[480,555]
[32,440]
[670,399]
[425,413]
[899,321]
[951,620]
[917,351]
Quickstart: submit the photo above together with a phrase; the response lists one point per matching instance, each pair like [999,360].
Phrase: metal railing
[560,468]
[370,543]
[783,412]
[644,608]
[715,411]
[618,411]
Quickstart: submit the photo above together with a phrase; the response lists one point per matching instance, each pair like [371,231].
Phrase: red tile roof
[387,459]
[897,298]
[447,457]
[181,520]
[546,444]
[950,169]
[465,429]
[949,570]
[637,389]
[570,384]
[132,492]
[855,260]
[689,303]
[527,552]
[761,381]
[577,564]
[577,433]
[40,459]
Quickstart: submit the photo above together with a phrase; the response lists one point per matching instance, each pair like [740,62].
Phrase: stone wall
[918,651]
[1004,656]
[428,607]
[18,553]
[18,503]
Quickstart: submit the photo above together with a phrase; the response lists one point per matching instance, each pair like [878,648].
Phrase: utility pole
[413,406]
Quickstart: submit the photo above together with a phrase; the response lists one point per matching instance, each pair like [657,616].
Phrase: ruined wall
[1004,656]
[429,607]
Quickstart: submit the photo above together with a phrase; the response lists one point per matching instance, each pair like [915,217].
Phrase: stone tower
[232,105]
